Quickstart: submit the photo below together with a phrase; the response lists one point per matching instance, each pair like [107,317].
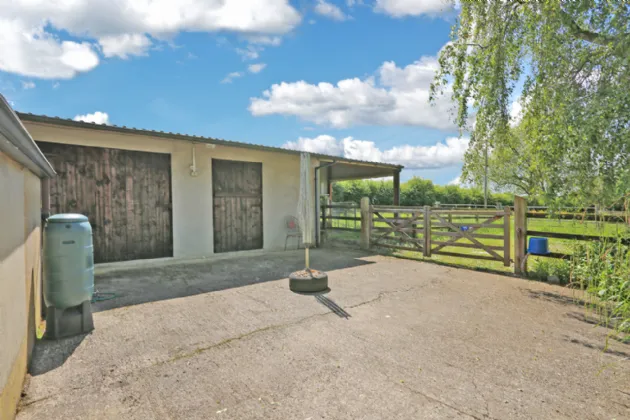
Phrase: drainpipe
[45,193]
[317,209]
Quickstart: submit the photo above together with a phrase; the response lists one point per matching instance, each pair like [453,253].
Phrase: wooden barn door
[237,197]
[125,194]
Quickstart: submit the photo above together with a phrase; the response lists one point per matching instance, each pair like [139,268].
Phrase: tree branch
[471,44]
[590,36]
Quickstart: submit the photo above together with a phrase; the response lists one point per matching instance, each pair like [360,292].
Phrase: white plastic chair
[293,230]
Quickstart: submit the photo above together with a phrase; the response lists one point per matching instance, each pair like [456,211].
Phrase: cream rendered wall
[192,196]
[19,277]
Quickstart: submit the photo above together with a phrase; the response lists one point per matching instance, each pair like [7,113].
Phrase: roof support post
[397,187]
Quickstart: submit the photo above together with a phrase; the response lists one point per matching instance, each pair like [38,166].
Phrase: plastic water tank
[68,261]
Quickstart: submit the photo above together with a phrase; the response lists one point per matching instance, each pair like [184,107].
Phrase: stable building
[151,194]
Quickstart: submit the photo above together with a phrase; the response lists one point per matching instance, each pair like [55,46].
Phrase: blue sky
[250,73]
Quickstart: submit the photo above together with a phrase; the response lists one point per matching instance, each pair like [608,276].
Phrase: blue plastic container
[538,246]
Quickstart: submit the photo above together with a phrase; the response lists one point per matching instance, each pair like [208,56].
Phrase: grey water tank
[68,259]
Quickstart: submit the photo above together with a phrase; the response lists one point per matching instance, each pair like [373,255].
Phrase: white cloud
[396,96]
[30,51]
[125,45]
[324,144]
[400,8]
[456,181]
[251,52]
[273,41]
[256,68]
[55,85]
[329,10]
[440,155]
[28,85]
[28,45]
[97,118]
[231,76]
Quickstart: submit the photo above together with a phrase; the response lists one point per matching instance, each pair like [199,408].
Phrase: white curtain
[305,212]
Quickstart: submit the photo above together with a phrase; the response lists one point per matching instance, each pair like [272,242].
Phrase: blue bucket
[538,246]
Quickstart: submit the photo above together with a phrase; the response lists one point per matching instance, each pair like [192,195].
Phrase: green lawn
[351,238]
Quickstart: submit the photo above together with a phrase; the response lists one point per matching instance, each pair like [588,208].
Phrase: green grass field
[351,238]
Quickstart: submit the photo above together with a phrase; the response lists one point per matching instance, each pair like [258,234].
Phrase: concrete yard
[393,339]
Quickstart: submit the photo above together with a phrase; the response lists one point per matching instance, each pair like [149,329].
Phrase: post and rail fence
[486,233]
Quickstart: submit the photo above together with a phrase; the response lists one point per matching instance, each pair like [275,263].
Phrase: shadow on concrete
[51,354]
[428,260]
[557,298]
[601,348]
[151,282]
[330,304]
[600,320]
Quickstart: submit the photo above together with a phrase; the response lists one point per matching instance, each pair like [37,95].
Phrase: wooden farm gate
[237,212]
[125,194]
[435,231]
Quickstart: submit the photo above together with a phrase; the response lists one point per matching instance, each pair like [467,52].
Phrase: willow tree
[566,63]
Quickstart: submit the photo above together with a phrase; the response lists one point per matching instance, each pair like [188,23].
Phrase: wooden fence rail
[614,218]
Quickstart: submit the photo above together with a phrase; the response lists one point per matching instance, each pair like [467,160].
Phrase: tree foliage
[570,62]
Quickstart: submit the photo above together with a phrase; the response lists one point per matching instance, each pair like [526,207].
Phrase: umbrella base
[308,281]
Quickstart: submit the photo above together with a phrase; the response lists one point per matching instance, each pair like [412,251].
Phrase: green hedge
[415,192]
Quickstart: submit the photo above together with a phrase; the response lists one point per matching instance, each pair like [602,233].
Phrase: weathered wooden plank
[464,245]
[520,234]
[342,218]
[119,220]
[108,231]
[133,230]
[472,213]
[426,234]
[100,246]
[400,220]
[347,229]
[579,216]
[396,209]
[575,237]
[389,229]
[400,247]
[473,256]
[414,241]
[506,241]
[340,206]
[474,235]
[469,225]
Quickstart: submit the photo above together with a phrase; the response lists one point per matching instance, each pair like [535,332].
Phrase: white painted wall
[19,277]
[192,196]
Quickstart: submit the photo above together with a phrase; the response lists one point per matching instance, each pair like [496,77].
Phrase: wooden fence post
[426,249]
[506,236]
[520,233]
[366,225]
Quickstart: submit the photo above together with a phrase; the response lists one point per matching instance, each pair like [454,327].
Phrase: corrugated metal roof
[186,137]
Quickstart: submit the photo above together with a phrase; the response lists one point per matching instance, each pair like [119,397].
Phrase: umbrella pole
[306,257]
